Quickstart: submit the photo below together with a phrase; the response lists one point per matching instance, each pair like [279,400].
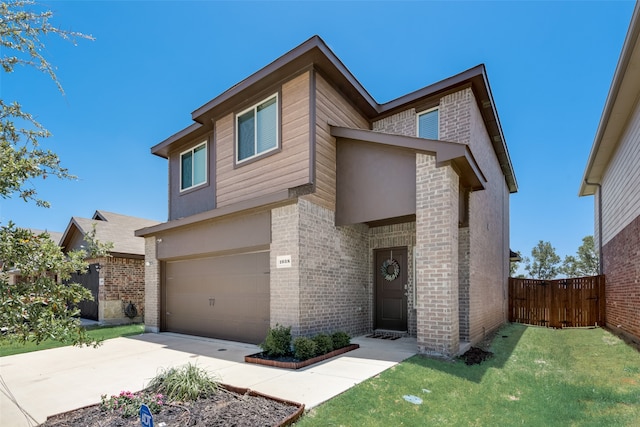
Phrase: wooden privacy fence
[557,303]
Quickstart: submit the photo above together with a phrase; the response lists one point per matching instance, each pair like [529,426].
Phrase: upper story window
[428,124]
[193,167]
[257,129]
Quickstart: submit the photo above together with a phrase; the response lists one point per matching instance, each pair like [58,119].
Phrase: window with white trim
[257,129]
[193,167]
[428,124]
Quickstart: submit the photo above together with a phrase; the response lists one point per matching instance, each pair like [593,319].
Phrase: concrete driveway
[36,385]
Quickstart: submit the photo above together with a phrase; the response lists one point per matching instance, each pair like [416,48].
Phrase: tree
[38,306]
[513,265]
[586,261]
[544,263]
[21,158]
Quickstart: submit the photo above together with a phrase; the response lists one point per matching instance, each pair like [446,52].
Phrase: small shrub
[340,339]
[324,343]
[184,383]
[304,348]
[278,341]
[128,403]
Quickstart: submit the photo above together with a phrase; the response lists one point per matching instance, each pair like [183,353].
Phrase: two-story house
[296,199]
[612,175]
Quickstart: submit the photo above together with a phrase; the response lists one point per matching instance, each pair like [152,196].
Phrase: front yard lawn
[8,348]
[537,377]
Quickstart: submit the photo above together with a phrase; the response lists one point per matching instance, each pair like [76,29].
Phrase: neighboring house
[116,280]
[13,276]
[296,199]
[613,176]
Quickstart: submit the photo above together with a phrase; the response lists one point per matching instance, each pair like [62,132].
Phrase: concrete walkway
[43,383]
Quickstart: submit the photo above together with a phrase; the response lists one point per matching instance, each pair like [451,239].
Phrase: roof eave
[304,54]
[624,89]
[477,78]
[162,149]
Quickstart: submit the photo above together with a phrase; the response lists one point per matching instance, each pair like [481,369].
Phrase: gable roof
[54,235]
[316,54]
[111,227]
[623,95]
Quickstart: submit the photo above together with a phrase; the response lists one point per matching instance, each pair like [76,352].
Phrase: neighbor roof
[315,53]
[111,227]
[54,235]
[622,97]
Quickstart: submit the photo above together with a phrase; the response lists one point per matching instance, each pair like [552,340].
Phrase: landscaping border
[253,358]
[238,390]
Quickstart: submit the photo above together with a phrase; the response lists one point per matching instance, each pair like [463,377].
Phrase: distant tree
[513,265]
[38,306]
[585,263]
[544,263]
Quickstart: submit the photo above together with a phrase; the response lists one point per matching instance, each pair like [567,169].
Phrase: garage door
[220,297]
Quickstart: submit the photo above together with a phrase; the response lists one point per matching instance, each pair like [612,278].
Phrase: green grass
[8,348]
[537,377]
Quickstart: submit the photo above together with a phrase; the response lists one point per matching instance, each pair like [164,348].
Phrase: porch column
[151,286]
[436,257]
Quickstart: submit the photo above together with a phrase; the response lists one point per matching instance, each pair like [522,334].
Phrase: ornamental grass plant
[184,383]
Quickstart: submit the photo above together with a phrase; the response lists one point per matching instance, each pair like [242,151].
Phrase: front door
[391,289]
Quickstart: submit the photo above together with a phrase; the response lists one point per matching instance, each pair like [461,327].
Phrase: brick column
[436,257]
[285,282]
[151,286]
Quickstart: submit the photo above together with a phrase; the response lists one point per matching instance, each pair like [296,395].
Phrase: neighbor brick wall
[122,282]
[621,264]
[437,193]
[151,286]
[390,236]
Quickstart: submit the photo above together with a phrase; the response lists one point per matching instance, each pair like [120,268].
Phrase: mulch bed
[225,408]
[289,362]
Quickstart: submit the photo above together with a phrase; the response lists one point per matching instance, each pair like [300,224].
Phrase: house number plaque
[283,261]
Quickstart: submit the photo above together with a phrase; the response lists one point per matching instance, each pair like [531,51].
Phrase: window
[428,124]
[257,129]
[193,167]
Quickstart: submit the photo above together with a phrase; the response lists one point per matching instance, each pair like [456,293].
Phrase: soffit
[623,98]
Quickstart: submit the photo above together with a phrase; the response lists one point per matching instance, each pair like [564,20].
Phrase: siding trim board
[312,128]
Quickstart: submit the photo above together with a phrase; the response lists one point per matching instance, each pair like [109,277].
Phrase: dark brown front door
[390,282]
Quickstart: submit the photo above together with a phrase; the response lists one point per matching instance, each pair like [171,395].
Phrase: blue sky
[152,63]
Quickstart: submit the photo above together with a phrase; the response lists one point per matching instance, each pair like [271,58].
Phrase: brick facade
[437,192]
[464,283]
[327,288]
[403,123]
[621,264]
[285,282]
[152,286]
[121,282]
